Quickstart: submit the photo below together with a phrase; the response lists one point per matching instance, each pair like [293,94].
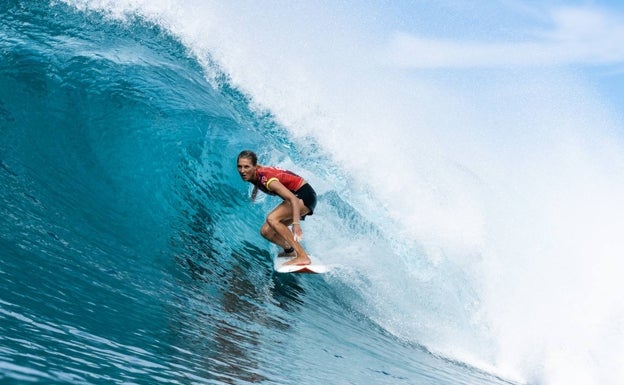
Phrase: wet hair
[249,155]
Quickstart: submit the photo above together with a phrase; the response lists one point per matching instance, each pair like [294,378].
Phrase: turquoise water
[130,252]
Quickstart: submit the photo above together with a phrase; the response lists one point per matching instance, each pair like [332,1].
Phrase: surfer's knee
[272,221]
[266,231]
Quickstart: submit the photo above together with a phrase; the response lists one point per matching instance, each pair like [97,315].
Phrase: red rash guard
[266,175]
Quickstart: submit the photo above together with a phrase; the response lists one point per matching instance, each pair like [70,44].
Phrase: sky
[584,36]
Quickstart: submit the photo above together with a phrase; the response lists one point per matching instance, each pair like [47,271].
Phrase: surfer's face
[246,169]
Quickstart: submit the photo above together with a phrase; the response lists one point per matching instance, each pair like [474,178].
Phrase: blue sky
[586,37]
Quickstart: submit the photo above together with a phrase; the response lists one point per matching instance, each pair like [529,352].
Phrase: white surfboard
[309,269]
[313,268]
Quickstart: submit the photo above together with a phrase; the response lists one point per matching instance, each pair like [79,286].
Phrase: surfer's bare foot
[298,261]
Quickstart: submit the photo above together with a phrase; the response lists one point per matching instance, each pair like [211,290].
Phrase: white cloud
[577,36]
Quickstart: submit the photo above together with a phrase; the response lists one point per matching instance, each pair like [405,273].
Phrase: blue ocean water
[130,252]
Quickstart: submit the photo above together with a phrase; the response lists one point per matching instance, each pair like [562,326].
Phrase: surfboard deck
[313,268]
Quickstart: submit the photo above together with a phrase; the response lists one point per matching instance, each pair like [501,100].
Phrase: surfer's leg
[268,233]
[276,230]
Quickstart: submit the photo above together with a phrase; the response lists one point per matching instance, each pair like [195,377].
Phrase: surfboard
[313,268]
[307,269]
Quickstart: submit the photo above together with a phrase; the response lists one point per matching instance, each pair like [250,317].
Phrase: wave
[474,227]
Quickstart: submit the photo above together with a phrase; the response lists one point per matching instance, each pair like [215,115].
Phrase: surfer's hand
[297,232]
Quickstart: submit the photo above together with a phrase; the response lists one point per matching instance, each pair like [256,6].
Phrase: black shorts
[308,195]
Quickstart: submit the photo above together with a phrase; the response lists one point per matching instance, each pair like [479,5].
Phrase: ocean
[471,217]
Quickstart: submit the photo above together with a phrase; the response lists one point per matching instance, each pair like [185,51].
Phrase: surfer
[299,200]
